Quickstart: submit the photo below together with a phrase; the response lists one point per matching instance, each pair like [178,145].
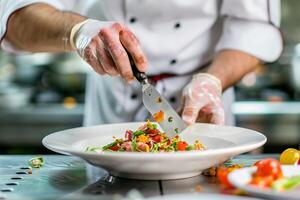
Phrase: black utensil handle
[140,76]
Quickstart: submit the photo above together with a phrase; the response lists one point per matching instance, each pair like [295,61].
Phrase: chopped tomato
[157,138]
[269,167]
[115,148]
[222,175]
[153,132]
[159,116]
[181,145]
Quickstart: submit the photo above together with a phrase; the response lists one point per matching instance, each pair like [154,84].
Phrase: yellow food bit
[147,148]
[143,138]
[198,145]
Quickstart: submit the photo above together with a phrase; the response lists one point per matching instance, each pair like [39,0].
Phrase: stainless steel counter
[66,177]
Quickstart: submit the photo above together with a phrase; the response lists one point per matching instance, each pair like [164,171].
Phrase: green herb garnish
[36,162]
[133,144]
[93,149]
[139,132]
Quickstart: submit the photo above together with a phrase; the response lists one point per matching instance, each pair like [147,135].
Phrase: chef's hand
[202,100]
[102,45]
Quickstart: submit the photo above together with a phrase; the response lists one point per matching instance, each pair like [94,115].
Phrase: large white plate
[223,142]
[241,177]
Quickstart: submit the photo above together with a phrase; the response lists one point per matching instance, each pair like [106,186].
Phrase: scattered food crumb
[170,119]
[158,100]
[36,162]
[198,188]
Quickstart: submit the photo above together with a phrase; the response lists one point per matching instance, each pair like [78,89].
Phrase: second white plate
[241,177]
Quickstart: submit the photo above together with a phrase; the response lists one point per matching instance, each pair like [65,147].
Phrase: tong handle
[140,76]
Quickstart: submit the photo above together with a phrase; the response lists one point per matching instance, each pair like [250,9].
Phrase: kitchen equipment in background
[67,74]
[30,66]
[295,68]
[13,96]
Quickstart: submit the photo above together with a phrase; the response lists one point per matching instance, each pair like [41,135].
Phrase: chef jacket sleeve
[251,26]
[8,7]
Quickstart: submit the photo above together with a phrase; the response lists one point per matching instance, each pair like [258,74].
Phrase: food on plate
[269,175]
[148,138]
[290,157]
[36,162]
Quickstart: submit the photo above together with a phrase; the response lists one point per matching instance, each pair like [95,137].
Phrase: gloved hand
[202,97]
[102,45]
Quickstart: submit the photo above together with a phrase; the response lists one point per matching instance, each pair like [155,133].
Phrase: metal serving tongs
[169,120]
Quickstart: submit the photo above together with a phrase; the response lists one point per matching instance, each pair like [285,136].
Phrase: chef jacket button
[132,20]
[173,99]
[133,96]
[173,61]
[177,25]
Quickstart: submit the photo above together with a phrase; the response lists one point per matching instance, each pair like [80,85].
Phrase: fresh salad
[269,175]
[148,138]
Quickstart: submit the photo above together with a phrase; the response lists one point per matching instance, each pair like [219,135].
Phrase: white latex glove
[202,96]
[102,45]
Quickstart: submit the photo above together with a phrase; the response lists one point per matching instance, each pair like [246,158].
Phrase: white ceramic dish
[241,177]
[223,143]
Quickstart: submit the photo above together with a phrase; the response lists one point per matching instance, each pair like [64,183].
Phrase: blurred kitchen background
[43,93]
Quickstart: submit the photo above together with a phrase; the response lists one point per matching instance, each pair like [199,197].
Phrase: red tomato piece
[115,148]
[222,175]
[157,138]
[153,132]
[269,167]
[181,145]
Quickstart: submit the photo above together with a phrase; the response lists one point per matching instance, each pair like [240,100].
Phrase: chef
[194,51]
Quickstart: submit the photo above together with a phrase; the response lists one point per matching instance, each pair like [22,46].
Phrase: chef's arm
[41,27]
[102,44]
[229,66]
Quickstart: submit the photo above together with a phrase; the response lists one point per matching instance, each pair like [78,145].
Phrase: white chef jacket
[178,36]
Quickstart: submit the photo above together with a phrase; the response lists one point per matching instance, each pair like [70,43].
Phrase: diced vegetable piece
[181,145]
[157,138]
[286,183]
[143,138]
[110,145]
[269,167]
[159,116]
[36,162]
[139,132]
